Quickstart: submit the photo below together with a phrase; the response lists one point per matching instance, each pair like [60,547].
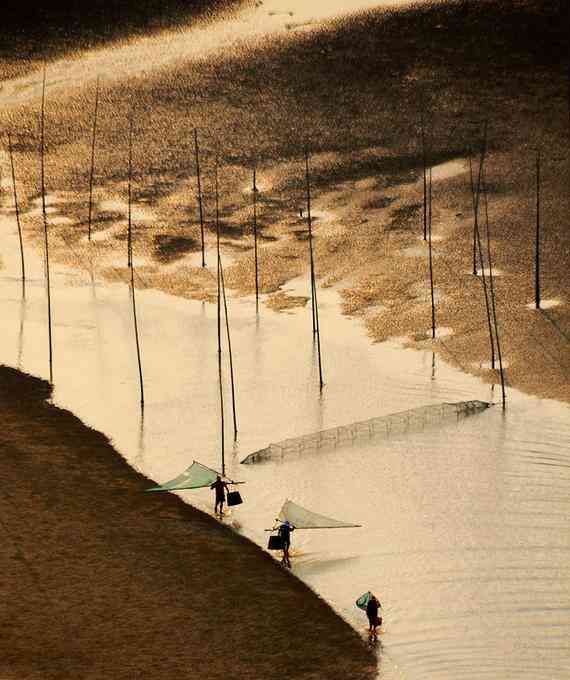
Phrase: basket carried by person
[275,542]
[234,498]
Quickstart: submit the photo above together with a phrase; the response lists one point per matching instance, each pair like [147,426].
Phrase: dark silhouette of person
[284,532]
[372,609]
[220,488]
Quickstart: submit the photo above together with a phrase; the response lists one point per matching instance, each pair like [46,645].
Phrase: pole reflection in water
[464,526]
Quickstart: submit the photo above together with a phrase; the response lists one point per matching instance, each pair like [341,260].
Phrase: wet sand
[101,580]
[366,171]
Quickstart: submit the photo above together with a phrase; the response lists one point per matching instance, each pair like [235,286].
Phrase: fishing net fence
[382,426]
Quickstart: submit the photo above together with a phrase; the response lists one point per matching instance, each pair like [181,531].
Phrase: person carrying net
[284,532]
[220,487]
[371,605]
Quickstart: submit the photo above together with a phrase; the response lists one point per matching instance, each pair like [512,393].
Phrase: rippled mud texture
[353,89]
[105,582]
[53,29]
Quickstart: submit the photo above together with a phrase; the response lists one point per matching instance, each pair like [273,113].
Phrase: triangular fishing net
[301,518]
[194,477]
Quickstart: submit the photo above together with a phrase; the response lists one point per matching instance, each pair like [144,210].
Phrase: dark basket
[275,543]
[234,498]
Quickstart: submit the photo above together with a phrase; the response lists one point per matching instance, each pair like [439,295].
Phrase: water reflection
[464,526]
[139,459]
[21,333]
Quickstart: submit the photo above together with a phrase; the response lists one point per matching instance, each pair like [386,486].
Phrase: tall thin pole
[475,215]
[17,215]
[488,236]
[229,349]
[255,239]
[217,200]
[92,171]
[476,197]
[504,396]
[431,258]
[487,307]
[129,228]
[309,222]
[137,333]
[537,240]
[131,266]
[424,163]
[219,312]
[200,207]
[44,213]
[479,250]
[313,281]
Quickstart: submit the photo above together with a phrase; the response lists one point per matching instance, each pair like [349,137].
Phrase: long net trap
[403,421]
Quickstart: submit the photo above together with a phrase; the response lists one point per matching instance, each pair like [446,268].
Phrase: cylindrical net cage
[403,421]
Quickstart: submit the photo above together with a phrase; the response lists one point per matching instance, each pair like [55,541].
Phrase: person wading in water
[284,532]
[220,488]
[374,620]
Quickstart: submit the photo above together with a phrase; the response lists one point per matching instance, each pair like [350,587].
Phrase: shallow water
[465,525]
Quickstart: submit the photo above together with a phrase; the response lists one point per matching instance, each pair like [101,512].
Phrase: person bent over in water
[220,488]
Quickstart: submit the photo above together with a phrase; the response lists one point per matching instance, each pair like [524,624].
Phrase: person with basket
[284,533]
[220,487]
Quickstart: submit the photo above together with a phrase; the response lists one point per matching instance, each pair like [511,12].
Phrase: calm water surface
[465,523]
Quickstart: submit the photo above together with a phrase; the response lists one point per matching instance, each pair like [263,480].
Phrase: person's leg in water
[375,630]
[286,560]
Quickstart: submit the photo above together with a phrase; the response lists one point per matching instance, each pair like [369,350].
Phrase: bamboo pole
[315,306]
[16,207]
[216,187]
[537,299]
[131,265]
[44,213]
[479,250]
[477,195]
[137,334]
[431,257]
[255,240]
[309,222]
[217,200]
[221,384]
[21,333]
[503,391]
[424,163]
[92,170]
[475,215]
[487,306]
[129,196]
[229,348]
[200,206]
